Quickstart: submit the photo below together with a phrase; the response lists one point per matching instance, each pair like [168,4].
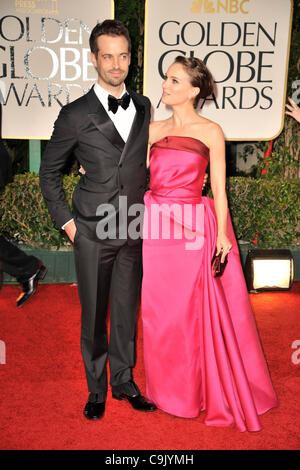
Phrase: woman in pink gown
[201,346]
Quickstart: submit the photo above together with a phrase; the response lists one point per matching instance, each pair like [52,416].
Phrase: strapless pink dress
[201,346]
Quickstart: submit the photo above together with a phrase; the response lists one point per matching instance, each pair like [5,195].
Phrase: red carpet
[43,390]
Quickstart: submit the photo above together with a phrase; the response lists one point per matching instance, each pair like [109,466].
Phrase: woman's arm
[150,141]
[154,131]
[148,154]
[218,182]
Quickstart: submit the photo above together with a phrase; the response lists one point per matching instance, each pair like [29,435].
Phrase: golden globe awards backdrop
[45,60]
[244,43]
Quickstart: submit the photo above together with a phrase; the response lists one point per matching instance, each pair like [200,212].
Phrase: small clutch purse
[217,268]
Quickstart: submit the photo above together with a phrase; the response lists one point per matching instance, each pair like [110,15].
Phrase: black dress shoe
[137,402]
[29,285]
[94,410]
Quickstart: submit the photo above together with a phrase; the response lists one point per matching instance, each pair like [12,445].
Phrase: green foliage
[284,161]
[132,13]
[24,215]
[269,208]
[294,63]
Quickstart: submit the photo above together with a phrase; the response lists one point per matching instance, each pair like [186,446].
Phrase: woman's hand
[293,110]
[81,170]
[223,245]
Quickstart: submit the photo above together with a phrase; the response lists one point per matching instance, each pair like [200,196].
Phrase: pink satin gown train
[201,346]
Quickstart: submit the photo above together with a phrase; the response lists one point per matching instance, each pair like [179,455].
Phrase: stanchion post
[34,155]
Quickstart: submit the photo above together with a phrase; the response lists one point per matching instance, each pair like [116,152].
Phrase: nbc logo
[218,6]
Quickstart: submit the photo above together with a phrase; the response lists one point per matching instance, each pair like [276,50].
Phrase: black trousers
[16,262]
[107,274]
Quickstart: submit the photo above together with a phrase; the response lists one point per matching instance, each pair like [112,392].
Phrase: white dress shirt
[122,119]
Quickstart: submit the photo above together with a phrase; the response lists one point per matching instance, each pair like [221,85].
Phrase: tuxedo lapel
[102,121]
[136,125]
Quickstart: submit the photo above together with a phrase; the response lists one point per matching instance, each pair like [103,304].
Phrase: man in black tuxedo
[109,139]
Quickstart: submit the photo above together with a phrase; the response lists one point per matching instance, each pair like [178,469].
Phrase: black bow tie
[114,103]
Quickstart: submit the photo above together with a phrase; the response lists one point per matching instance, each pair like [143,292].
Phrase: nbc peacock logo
[220,6]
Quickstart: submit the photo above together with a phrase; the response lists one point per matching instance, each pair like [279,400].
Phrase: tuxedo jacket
[113,168]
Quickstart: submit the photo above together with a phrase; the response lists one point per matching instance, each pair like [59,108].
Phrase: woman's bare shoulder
[205,130]
[211,126]
[211,129]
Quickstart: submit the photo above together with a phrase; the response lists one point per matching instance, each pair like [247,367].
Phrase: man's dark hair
[110,28]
